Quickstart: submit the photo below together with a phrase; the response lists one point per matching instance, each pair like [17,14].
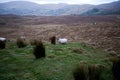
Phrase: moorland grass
[20,64]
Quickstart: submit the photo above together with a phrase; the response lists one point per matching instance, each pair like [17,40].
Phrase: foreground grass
[20,64]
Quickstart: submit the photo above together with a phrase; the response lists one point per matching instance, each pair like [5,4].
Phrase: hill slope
[104,9]
[21,8]
[30,8]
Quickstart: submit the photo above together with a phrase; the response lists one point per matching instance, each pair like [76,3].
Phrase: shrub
[116,69]
[94,72]
[80,73]
[2,44]
[21,43]
[53,40]
[39,50]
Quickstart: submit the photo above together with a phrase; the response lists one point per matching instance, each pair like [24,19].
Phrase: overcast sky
[65,1]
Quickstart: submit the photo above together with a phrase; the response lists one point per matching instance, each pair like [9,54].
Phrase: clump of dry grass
[116,68]
[85,72]
[21,43]
[80,73]
[94,72]
[53,40]
[2,44]
[39,50]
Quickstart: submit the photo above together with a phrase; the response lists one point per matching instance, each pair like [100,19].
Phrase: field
[61,60]
[91,40]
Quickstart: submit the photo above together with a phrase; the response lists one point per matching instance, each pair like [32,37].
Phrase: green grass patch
[20,63]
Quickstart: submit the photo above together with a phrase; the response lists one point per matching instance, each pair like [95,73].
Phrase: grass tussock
[80,73]
[39,50]
[94,72]
[21,43]
[85,72]
[2,44]
[53,40]
[116,68]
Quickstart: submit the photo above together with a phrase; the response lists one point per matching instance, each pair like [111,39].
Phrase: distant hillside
[105,9]
[72,9]
[21,8]
[30,8]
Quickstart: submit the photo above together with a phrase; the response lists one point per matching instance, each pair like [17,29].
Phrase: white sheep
[2,39]
[62,40]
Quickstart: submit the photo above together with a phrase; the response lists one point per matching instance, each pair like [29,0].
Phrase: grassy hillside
[20,64]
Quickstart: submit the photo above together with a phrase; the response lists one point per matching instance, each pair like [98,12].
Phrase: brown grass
[74,28]
[94,72]
[21,43]
[80,73]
